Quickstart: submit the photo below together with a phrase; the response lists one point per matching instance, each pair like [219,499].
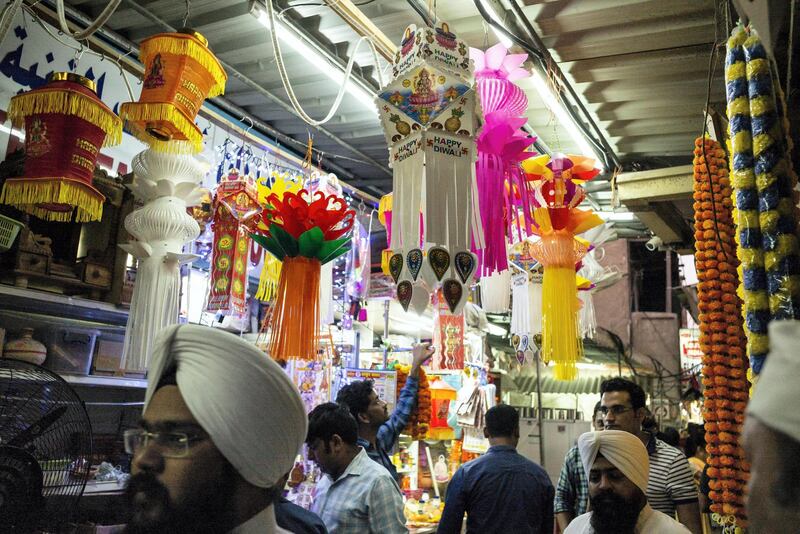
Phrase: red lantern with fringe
[180,73]
[65,126]
[305,232]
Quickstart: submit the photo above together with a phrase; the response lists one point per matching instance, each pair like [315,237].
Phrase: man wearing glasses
[671,488]
[222,424]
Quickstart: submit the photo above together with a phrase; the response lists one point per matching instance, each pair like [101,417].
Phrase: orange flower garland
[722,337]
[420,419]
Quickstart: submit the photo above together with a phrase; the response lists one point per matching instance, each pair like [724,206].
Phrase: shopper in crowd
[377,430]
[619,467]
[222,424]
[357,495]
[695,450]
[670,436]
[771,436]
[671,488]
[572,489]
[297,519]
[597,418]
[502,491]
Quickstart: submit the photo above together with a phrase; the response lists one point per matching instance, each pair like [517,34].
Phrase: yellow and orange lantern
[65,124]
[180,73]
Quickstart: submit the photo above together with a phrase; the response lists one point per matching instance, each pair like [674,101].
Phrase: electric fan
[45,446]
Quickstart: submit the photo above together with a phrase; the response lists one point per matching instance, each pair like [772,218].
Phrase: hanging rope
[288,86]
[93,27]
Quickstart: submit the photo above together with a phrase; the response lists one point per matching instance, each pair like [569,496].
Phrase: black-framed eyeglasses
[170,444]
[616,410]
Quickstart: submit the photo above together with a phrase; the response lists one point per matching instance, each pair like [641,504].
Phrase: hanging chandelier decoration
[65,124]
[180,73]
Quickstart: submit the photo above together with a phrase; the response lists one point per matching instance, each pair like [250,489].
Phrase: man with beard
[357,496]
[618,467]
[771,436]
[377,431]
[222,424]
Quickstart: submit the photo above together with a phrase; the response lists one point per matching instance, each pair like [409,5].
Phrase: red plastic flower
[299,212]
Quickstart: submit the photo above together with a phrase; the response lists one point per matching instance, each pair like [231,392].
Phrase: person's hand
[421,353]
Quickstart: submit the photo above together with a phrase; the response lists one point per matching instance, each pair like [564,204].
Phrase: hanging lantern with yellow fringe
[65,126]
[180,73]
[557,221]
[385,218]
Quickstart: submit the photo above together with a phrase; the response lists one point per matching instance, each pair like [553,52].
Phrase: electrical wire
[288,86]
[7,17]
[101,19]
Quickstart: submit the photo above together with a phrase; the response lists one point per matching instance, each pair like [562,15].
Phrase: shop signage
[383,382]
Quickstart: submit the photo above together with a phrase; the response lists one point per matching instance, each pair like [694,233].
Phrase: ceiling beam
[363,26]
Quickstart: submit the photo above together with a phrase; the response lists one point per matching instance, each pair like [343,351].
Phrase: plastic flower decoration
[305,232]
[558,220]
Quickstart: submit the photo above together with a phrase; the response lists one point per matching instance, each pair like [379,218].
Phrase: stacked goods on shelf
[722,338]
[763,187]
[420,419]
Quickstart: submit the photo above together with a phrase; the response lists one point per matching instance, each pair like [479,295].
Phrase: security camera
[655,243]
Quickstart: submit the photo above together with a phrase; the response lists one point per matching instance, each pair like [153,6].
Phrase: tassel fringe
[185,45]
[28,194]
[270,275]
[66,102]
[134,113]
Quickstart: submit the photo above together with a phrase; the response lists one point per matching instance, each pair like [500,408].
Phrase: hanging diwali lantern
[168,184]
[557,221]
[65,126]
[428,113]
[235,208]
[305,232]
[502,188]
[180,73]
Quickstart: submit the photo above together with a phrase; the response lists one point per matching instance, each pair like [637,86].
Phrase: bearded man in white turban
[618,467]
[771,436]
[222,425]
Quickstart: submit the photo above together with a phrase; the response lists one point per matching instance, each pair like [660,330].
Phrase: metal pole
[539,410]
[668,307]
[357,350]
[386,305]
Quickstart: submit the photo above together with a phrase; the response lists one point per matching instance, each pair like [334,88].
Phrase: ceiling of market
[640,68]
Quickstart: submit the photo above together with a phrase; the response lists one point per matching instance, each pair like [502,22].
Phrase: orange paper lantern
[180,73]
[65,126]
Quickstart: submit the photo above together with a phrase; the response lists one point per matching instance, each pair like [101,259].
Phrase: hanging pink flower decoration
[495,72]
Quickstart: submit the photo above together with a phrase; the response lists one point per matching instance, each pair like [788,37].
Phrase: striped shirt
[671,482]
[365,499]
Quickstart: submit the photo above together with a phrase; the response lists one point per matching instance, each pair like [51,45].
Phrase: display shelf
[44,302]
[105,381]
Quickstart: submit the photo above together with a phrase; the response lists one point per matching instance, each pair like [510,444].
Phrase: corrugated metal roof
[640,66]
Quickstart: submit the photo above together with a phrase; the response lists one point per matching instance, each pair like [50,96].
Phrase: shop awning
[583,384]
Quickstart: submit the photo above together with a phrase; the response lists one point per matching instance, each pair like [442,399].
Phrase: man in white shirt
[357,495]
[222,423]
[618,467]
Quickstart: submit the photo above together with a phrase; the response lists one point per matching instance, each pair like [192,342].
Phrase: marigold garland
[722,337]
[420,420]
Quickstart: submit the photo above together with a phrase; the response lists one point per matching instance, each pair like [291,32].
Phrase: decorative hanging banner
[448,338]
[65,126]
[235,205]
[180,73]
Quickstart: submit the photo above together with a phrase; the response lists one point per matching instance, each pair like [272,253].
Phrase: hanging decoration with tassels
[429,116]
[764,195]
[180,73]
[558,220]
[305,232]
[235,208]
[502,189]
[65,124]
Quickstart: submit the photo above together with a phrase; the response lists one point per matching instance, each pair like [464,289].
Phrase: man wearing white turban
[222,424]
[771,436]
[618,467]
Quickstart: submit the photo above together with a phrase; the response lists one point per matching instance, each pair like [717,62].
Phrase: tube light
[503,38]
[12,131]
[616,216]
[564,118]
[332,71]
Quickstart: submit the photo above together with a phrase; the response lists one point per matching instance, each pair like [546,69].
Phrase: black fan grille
[41,414]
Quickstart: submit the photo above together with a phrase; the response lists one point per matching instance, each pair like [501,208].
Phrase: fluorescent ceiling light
[565,119]
[334,72]
[616,216]
[503,38]
[12,131]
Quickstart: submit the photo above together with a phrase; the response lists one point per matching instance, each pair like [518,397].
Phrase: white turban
[776,396]
[244,400]
[625,451]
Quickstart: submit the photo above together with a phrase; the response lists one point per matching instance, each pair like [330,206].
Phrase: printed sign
[383,382]
[691,355]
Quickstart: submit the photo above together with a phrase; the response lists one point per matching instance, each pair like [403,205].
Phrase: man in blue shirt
[377,431]
[501,491]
